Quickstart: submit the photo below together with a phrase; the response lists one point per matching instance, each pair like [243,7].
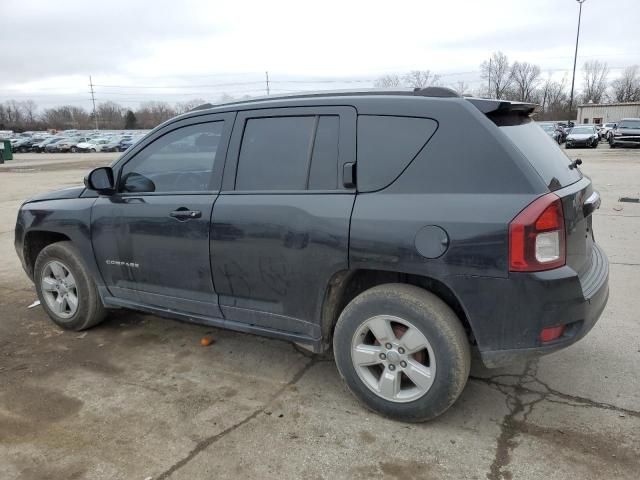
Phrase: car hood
[580,136]
[65,193]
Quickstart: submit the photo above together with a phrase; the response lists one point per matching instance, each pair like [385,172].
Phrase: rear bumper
[508,315]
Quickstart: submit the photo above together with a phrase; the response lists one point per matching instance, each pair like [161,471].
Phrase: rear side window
[386,145]
[551,163]
[289,153]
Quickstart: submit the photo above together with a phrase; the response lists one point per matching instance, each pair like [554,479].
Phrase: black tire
[435,320]
[90,310]
[74,150]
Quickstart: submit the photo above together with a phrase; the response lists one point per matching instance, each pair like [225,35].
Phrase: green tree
[130,120]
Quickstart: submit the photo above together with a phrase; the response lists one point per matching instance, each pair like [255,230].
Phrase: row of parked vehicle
[74,141]
[625,133]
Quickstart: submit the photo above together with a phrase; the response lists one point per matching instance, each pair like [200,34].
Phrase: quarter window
[180,161]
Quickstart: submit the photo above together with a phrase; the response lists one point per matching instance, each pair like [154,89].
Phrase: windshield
[629,124]
[583,130]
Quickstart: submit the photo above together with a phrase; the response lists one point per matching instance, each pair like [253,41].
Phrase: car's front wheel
[65,288]
[402,352]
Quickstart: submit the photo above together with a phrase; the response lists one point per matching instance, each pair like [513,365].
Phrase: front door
[151,238]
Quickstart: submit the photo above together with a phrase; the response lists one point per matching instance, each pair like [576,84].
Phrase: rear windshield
[550,162]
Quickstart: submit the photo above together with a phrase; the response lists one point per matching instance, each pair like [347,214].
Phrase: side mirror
[101,180]
[134,182]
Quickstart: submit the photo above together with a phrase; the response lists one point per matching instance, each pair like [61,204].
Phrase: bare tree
[595,81]
[183,107]
[65,117]
[420,79]
[552,96]
[497,72]
[110,115]
[526,78]
[388,81]
[151,114]
[627,87]
[30,109]
[461,87]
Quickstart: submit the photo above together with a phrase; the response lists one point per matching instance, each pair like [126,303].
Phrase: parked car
[355,220]
[553,131]
[115,143]
[92,145]
[626,134]
[606,130]
[70,144]
[52,147]
[583,136]
[40,146]
[126,143]
[25,144]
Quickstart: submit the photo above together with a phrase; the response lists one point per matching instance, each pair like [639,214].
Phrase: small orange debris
[206,341]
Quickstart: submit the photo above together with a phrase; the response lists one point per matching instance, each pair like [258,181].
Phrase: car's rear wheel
[74,150]
[402,352]
[65,288]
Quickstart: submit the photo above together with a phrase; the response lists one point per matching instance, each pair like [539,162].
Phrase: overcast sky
[180,50]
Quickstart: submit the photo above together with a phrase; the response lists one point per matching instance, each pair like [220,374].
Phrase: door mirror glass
[134,182]
[100,180]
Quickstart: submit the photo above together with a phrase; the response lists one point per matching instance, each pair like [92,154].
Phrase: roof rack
[437,92]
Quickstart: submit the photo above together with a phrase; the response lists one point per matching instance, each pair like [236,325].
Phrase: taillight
[536,236]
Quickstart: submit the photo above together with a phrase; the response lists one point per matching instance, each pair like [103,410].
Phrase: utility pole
[489,89]
[267,77]
[93,99]
[575,59]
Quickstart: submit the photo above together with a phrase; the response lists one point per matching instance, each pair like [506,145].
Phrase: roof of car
[483,104]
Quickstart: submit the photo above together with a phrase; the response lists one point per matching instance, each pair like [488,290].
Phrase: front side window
[180,161]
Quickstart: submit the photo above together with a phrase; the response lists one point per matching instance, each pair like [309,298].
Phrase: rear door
[151,238]
[281,224]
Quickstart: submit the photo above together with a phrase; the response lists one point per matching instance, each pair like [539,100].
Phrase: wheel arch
[35,241]
[345,285]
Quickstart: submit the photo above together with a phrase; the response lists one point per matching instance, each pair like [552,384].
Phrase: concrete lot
[138,397]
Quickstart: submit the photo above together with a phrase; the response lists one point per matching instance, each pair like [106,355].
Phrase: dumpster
[5,150]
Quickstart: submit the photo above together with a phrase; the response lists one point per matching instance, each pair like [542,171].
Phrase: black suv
[402,228]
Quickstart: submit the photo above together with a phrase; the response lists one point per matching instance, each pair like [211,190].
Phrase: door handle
[185,214]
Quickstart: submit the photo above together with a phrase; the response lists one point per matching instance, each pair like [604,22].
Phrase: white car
[92,145]
[606,130]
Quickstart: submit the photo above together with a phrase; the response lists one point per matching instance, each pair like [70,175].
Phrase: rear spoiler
[500,107]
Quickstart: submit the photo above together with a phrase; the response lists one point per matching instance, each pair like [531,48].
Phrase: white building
[596,113]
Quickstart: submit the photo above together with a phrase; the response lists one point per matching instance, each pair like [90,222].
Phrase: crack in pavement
[514,422]
[207,442]
[511,425]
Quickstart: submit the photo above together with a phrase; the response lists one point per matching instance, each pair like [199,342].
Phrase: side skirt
[313,344]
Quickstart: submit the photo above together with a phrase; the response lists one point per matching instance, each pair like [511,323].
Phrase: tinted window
[289,153]
[180,161]
[386,145]
[324,160]
[550,162]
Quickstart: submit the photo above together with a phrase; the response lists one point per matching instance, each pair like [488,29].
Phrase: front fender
[66,217]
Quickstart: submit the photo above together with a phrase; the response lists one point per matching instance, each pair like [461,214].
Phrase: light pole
[575,59]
